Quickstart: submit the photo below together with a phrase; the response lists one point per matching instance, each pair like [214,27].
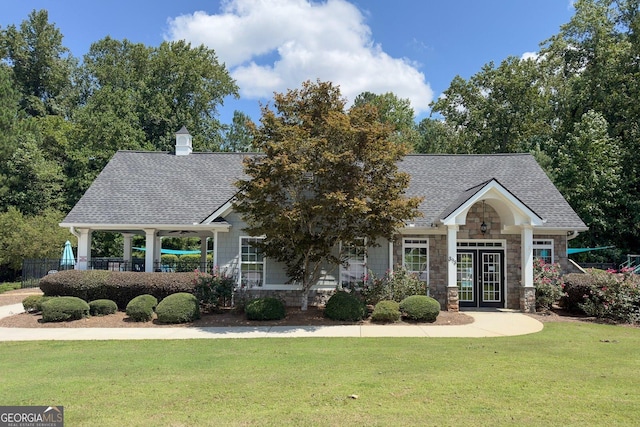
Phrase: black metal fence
[599,265]
[35,269]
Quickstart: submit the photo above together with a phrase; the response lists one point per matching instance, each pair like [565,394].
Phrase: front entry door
[480,277]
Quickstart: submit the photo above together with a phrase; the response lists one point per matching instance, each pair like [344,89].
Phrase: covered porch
[152,261]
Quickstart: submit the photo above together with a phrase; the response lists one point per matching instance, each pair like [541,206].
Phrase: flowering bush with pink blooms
[547,279]
[616,296]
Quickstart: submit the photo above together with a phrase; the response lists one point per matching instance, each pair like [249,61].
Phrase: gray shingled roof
[443,179]
[158,188]
[161,188]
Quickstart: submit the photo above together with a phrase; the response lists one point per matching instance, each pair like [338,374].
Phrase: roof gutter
[572,234]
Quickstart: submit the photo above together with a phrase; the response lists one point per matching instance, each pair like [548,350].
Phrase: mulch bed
[314,316]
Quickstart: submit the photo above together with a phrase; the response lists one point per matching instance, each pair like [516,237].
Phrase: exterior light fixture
[483,226]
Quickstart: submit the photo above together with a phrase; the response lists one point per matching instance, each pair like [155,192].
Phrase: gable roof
[490,189]
[138,187]
[446,180]
[149,188]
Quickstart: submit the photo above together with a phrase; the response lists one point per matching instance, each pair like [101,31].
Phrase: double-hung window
[252,262]
[354,270]
[543,250]
[415,257]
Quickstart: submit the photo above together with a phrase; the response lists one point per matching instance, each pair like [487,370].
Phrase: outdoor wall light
[483,226]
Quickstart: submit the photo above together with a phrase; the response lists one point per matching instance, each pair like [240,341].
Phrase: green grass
[9,286]
[568,374]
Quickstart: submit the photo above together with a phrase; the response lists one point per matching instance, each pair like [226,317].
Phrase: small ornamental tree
[328,175]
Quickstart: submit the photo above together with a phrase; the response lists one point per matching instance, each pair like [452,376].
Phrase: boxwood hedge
[265,309]
[140,309]
[118,286]
[420,308]
[346,307]
[180,307]
[102,307]
[386,311]
[64,308]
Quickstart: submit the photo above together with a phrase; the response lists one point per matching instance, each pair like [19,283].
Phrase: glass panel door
[491,277]
[465,277]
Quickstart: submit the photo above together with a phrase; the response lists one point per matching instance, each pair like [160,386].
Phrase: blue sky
[413,48]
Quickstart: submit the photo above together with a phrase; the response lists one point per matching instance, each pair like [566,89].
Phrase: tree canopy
[574,106]
[328,175]
[61,120]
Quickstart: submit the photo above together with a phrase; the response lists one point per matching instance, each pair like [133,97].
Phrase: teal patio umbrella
[67,260]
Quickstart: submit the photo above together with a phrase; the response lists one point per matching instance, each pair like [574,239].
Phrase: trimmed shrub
[188,262]
[169,259]
[420,308]
[118,286]
[64,308]
[386,312]
[265,309]
[178,308]
[41,301]
[346,307]
[102,307]
[140,309]
[32,303]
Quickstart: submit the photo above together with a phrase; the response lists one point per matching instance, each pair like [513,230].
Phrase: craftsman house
[485,219]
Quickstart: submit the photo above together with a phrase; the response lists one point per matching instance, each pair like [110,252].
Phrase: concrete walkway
[486,324]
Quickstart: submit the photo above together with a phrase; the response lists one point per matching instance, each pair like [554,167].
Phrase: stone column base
[528,300]
[452,299]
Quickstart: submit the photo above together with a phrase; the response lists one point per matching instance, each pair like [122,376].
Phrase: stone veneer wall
[471,231]
[291,298]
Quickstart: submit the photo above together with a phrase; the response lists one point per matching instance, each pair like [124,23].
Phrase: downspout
[572,235]
[73,231]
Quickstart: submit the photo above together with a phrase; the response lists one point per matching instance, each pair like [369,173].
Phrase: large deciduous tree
[42,66]
[594,62]
[327,176]
[502,109]
[393,111]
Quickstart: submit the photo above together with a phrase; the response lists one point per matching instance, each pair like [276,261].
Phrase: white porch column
[527,256]
[528,291]
[215,249]
[452,271]
[150,245]
[203,252]
[391,256]
[126,248]
[157,253]
[84,248]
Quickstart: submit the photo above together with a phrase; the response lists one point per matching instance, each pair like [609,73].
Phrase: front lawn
[9,286]
[569,374]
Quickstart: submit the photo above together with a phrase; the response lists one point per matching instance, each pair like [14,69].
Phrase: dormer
[183,142]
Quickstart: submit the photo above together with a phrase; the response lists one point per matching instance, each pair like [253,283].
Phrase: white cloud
[530,55]
[274,45]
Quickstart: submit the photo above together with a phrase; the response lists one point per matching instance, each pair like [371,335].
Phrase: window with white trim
[252,262]
[543,249]
[415,257]
[354,270]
